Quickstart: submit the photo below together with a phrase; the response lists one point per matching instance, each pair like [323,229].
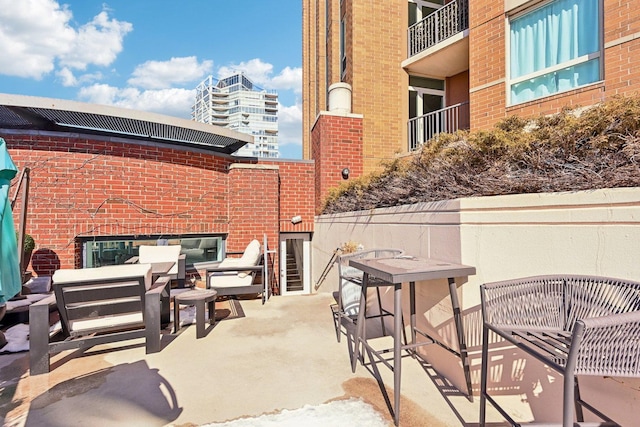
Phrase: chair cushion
[123,271]
[351,293]
[148,254]
[159,253]
[228,279]
[251,254]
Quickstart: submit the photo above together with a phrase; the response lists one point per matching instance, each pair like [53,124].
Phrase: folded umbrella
[10,275]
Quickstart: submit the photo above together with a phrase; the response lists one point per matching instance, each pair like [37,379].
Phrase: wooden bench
[97,306]
[576,325]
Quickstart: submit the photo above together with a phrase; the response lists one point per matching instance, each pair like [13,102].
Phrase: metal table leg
[462,341]
[360,324]
[397,348]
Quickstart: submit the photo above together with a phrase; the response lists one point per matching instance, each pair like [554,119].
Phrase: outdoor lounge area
[247,363]
[259,357]
[245,367]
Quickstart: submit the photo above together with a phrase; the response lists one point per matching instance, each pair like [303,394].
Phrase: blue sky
[150,54]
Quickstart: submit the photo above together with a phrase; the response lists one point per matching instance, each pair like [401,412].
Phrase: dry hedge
[599,148]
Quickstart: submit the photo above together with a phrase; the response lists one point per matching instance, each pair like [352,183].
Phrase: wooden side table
[197,298]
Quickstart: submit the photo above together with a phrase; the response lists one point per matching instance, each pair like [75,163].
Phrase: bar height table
[394,272]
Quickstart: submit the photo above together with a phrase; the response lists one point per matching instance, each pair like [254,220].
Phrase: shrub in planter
[27,250]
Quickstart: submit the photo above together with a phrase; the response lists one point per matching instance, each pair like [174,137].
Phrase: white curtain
[558,32]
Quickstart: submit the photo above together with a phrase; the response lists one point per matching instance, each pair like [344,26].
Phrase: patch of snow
[350,412]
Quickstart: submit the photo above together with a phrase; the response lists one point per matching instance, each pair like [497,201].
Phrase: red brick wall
[488,68]
[297,181]
[253,205]
[486,62]
[336,144]
[86,187]
[621,28]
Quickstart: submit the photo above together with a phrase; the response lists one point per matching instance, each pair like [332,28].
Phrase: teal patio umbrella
[10,276]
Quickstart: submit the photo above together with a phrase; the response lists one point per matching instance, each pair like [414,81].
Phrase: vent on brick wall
[21,112]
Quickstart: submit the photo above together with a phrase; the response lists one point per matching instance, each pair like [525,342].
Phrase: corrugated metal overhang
[33,113]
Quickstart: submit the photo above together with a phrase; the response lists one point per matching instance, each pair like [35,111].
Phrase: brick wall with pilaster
[296,194]
[254,208]
[376,44]
[83,188]
[336,144]
[253,204]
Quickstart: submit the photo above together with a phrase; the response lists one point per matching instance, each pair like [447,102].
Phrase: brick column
[253,205]
[336,143]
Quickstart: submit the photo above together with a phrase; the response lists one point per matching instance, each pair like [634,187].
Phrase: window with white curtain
[554,48]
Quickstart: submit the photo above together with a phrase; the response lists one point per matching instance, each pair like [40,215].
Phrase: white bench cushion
[149,254]
[124,271]
[107,322]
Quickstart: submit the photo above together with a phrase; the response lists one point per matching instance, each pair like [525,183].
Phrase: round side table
[197,298]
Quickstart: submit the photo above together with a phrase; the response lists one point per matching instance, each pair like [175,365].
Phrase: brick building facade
[620,26]
[374,77]
[86,186]
[417,67]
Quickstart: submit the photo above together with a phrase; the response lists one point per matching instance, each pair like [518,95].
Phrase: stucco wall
[588,232]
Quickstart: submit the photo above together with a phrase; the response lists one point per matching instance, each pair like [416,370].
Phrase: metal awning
[34,113]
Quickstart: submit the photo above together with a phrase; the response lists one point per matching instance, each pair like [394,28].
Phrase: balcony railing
[445,22]
[449,119]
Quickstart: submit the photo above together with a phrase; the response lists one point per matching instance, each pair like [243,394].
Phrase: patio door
[295,263]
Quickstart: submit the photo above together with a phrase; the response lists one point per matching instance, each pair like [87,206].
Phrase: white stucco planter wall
[586,232]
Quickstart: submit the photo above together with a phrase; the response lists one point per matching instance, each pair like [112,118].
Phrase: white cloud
[255,69]
[261,74]
[290,125]
[174,102]
[67,77]
[35,35]
[32,35]
[288,79]
[165,74]
[99,42]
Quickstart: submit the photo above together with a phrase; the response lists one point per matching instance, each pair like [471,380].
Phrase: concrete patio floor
[281,355]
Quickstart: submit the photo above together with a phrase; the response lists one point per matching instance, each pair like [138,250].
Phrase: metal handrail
[449,119]
[327,268]
[445,22]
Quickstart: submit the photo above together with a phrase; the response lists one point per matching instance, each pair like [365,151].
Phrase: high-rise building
[237,103]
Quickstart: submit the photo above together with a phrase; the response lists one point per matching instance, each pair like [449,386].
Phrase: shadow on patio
[282,355]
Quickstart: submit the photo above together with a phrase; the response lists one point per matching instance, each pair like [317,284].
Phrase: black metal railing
[445,22]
